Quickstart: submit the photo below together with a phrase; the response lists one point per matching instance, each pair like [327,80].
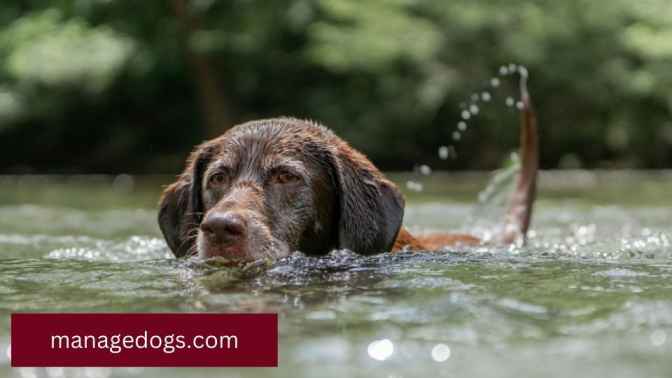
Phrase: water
[590,296]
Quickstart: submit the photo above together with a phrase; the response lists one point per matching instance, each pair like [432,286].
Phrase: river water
[590,295]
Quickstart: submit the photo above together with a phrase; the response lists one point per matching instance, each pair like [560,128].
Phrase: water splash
[470,110]
[486,215]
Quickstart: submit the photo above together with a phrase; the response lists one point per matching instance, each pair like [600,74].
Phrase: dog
[267,188]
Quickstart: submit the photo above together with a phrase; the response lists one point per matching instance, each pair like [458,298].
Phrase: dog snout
[224,228]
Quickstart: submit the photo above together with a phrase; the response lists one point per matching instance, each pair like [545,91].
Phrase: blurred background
[111,86]
[101,101]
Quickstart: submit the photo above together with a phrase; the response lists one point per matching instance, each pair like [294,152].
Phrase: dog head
[267,188]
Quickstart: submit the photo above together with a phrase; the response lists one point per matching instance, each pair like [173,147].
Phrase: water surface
[591,295]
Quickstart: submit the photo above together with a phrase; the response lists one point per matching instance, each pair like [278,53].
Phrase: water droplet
[510,101]
[494,82]
[522,71]
[485,96]
[446,152]
[520,105]
[474,97]
[440,352]
[512,68]
[381,350]
[425,170]
[123,183]
[462,125]
[503,70]
[466,114]
[457,136]
[474,109]
[414,186]
[443,152]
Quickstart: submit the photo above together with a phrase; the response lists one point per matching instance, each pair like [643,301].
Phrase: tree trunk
[212,101]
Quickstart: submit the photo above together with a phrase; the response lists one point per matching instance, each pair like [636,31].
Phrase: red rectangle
[95,339]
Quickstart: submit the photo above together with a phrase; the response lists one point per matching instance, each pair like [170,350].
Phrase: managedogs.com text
[169,343]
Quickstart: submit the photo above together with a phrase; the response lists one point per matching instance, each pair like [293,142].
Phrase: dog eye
[218,179]
[284,177]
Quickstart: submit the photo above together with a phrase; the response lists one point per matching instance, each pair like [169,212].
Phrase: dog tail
[519,213]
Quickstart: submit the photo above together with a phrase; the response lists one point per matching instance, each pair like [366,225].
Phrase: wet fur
[341,202]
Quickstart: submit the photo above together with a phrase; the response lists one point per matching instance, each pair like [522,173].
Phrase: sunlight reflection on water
[440,352]
[381,350]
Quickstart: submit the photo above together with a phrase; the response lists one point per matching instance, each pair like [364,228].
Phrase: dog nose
[225,228]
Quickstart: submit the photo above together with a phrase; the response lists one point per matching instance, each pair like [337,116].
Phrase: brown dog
[266,188]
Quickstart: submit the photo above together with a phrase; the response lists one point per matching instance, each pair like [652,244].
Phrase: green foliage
[388,75]
[45,56]
[353,36]
[43,49]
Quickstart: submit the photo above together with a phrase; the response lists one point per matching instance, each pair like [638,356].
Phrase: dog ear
[181,206]
[173,216]
[371,208]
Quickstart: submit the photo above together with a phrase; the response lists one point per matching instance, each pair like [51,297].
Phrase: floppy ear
[181,206]
[173,216]
[371,207]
